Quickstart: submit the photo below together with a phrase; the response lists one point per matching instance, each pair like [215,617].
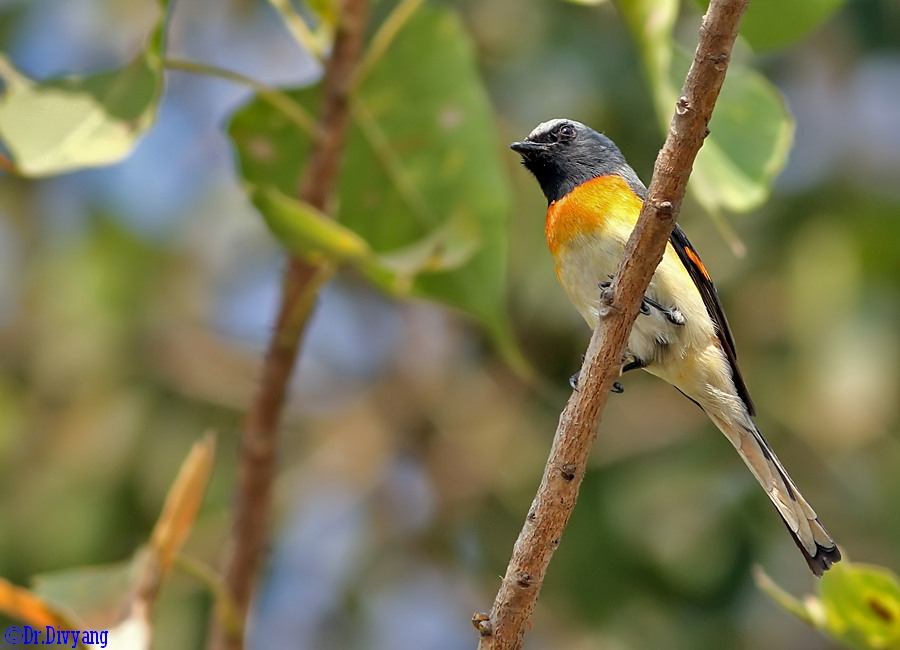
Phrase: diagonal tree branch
[504,627]
[301,284]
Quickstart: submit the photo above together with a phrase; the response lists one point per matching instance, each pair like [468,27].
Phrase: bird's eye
[566,132]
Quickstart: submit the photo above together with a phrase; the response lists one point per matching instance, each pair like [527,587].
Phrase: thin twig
[302,281]
[298,28]
[280,101]
[212,581]
[504,627]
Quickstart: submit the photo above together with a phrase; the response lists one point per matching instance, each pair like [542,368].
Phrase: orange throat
[588,209]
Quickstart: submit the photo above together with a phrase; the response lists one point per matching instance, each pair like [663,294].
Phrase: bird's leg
[635,364]
[631,365]
[616,387]
[673,315]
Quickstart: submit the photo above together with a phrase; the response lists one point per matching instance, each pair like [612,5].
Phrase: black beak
[525,147]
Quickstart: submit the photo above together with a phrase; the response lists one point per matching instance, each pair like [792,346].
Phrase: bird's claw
[672,314]
[616,387]
[573,380]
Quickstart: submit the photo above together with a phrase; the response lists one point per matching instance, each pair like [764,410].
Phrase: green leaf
[448,247]
[94,593]
[272,147]
[858,604]
[750,137]
[862,605]
[306,231]
[312,235]
[751,131]
[771,24]
[651,23]
[774,24]
[422,181]
[70,123]
[324,9]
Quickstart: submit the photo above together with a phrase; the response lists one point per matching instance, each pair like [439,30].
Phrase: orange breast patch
[589,208]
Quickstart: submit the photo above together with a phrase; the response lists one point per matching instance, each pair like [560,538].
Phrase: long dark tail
[811,538]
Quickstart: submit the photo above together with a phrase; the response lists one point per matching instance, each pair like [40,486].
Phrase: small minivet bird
[681,334]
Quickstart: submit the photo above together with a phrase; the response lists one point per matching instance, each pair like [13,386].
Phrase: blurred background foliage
[135,300]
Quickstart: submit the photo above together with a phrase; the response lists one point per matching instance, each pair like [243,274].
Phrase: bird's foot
[672,314]
[573,382]
[616,387]
[634,365]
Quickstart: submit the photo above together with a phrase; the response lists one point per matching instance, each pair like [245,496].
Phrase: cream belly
[679,354]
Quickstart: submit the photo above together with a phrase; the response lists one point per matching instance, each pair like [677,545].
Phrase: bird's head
[562,154]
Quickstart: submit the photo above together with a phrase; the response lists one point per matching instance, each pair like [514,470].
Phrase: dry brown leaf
[183,502]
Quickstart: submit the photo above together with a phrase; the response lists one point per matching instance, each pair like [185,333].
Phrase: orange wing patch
[589,208]
[696,260]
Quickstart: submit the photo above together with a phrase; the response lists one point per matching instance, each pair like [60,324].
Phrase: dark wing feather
[707,290]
